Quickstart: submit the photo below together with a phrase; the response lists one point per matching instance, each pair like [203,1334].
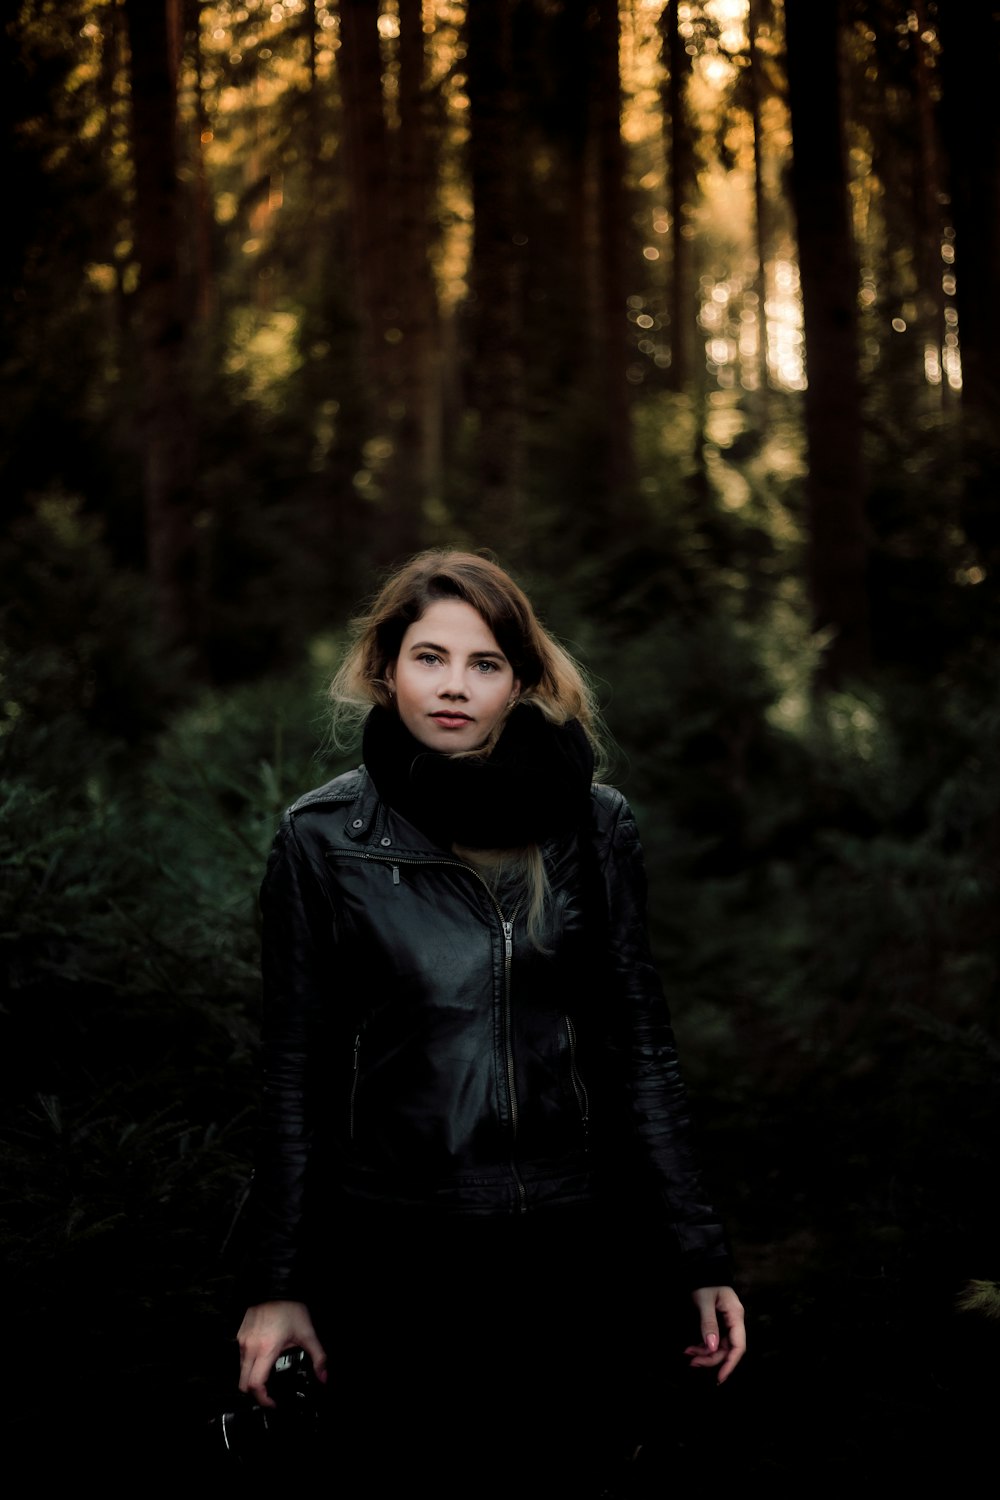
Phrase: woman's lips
[451,720]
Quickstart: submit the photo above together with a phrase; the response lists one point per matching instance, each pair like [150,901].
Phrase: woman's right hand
[267,1330]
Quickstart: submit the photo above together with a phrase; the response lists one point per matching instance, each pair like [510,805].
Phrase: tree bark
[931,219]
[612,219]
[388,190]
[165,417]
[837,542]
[496,276]
[204,297]
[366,155]
[416,395]
[757,12]
[970,59]
[680,158]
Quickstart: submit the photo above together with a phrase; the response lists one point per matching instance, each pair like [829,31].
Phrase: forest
[682,311]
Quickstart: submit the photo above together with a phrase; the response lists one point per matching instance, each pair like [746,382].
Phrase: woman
[475,1193]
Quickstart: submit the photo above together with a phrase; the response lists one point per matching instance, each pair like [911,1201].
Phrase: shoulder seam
[336,793]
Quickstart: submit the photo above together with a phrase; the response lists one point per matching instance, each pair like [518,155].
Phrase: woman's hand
[715,1304]
[266,1331]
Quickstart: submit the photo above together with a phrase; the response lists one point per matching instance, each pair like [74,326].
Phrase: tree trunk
[116,125]
[837,547]
[496,276]
[931,222]
[389,221]
[970,59]
[204,297]
[165,417]
[758,10]
[612,219]
[680,158]
[366,155]
[310,23]
[416,412]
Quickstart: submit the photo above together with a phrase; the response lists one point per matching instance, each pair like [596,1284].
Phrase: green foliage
[982,1297]
[131,848]
[77,648]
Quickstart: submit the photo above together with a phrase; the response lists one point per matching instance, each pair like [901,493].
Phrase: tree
[837,547]
[683,188]
[759,17]
[497,273]
[970,56]
[415,469]
[613,221]
[154,34]
[390,181]
[368,180]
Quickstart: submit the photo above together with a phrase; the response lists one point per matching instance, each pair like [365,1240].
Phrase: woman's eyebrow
[443,650]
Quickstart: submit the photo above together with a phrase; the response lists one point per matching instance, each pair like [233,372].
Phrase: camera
[255,1435]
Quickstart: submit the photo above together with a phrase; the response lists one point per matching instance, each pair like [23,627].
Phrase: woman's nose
[453,684]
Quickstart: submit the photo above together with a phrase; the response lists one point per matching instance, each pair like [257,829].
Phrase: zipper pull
[395,874]
[508,940]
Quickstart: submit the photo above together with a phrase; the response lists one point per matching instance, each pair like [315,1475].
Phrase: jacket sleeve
[643,1039]
[296,962]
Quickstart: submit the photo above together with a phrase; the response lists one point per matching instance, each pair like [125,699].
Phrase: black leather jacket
[420,1048]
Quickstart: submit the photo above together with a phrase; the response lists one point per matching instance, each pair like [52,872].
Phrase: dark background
[686,311]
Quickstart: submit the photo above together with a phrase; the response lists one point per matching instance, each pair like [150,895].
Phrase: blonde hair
[549,676]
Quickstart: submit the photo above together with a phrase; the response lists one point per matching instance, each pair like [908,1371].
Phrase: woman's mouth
[451,719]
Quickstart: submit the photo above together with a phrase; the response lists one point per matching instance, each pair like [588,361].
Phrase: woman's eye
[487,667]
[427,656]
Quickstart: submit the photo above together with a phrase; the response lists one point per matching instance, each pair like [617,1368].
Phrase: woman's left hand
[719,1349]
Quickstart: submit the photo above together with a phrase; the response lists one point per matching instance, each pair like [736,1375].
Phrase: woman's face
[451,681]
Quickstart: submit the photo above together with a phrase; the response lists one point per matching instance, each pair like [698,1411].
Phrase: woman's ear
[390,678]
[515,693]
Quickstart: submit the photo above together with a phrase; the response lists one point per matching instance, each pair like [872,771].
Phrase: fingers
[317,1354]
[736,1334]
[721,1352]
[267,1330]
[729,1365]
[724,1359]
[705,1299]
[703,1358]
[254,1374]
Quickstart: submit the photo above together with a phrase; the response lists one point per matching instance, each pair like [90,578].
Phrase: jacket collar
[372,822]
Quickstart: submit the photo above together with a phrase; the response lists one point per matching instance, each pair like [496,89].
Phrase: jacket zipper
[354,1083]
[508,954]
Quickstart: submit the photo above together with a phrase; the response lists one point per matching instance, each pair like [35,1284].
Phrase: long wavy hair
[549,676]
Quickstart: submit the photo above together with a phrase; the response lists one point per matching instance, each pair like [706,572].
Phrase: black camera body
[255,1435]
